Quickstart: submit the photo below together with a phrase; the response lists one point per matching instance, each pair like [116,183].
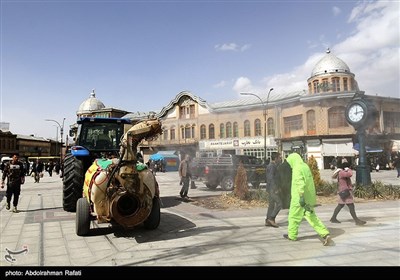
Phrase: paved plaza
[43,235]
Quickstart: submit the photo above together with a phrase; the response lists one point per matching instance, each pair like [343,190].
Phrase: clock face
[356,113]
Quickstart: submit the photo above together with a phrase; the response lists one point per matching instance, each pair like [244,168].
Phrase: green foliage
[361,192]
[377,190]
[259,194]
[326,188]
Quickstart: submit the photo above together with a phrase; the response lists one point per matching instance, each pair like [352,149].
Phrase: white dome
[90,104]
[330,64]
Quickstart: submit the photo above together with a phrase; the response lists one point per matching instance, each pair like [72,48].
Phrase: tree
[241,187]
[312,163]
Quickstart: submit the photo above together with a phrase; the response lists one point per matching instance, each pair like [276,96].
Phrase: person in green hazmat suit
[303,200]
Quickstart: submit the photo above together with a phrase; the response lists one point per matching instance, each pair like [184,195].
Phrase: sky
[138,55]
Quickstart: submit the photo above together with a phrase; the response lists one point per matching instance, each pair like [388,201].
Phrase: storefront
[239,146]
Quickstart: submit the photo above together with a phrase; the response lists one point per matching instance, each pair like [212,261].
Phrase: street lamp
[265,118]
[61,133]
[56,126]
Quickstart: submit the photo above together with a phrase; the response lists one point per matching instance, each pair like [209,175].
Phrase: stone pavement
[43,235]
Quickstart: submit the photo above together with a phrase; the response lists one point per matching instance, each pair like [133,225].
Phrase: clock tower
[361,113]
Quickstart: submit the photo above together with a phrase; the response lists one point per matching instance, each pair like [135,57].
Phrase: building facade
[311,122]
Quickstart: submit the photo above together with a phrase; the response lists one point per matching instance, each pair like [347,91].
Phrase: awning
[156,157]
[166,152]
[368,149]
[338,149]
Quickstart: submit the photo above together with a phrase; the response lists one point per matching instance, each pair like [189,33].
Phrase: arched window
[228,130]
[257,127]
[221,130]
[235,129]
[172,133]
[165,133]
[211,132]
[311,124]
[270,127]
[335,84]
[345,84]
[247,128]
[187,131]
[193,131]
[203,133]
[336,117]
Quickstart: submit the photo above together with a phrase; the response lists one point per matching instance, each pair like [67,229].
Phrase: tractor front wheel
[73,178]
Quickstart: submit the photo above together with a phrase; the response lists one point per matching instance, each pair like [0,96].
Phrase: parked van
[4,160]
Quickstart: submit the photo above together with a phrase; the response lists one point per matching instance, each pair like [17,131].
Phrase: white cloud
[336,11]
[220,84]
[232,47]
[245,47]
[243,84]
[371,52]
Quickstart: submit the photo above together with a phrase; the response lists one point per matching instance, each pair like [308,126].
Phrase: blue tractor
[94,138]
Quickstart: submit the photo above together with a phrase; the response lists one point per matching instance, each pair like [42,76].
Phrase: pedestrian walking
[185,175]
[15,173]
[37,170]
[284,182]
[303,200]
[273,189]
[345,187]
[396,164]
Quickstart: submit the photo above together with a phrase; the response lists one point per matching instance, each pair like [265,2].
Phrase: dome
[90,104]
[330,64]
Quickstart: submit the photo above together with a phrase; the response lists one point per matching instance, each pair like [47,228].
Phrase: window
[325,85]
[187,109]
[193,131]
[187,131]
[292,124]
[336,117]
[391,122]
[165,134]
[172,133]
[203,134]
[270,127]
[311,126]
[192,112]
[182,112]
[335,84]
[257,127]
[211,131]
[247,128]
[235,129]
[221,130]
[229,130]
[316,86]
[345,84]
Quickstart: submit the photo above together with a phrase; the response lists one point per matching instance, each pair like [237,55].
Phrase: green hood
[294,160]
